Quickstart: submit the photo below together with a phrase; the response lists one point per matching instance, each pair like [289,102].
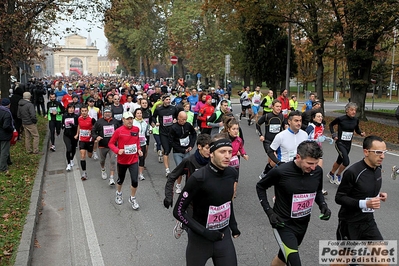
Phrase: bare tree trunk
[319,76]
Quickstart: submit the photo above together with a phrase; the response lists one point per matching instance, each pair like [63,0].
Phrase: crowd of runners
[119,121]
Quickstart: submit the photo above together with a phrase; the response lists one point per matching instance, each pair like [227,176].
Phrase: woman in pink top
[231,126]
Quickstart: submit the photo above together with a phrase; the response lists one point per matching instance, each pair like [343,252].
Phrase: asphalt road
[80,223]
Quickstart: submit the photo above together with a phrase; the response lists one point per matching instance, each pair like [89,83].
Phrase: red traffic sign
[173,60]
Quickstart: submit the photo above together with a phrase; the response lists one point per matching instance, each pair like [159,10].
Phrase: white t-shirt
[286,143]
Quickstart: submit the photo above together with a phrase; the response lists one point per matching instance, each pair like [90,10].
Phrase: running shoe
[134,203]
[338,180]
[68,168]
[84,176]
[72,163]
[111,181]
[167,172]
[178,230]
[239,116]
[395,172]
[325,192]
[118,198]
[178,188]
[52,148]
[155,147]
[160,158]
[104,174]
[95,156]
[331,177]
[141,177]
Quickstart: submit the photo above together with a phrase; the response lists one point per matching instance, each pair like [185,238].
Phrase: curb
[26,245]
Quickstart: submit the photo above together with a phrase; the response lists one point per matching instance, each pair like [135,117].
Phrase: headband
[220,143]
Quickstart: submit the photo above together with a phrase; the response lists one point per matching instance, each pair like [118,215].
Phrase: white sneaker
[141,177]
[155,147]
[178,188]
[52,148]
[111,181]
[167,172]
[118,198]
[178,230]
[134,203]
[68,168]
[72,163]
[104,174]
[95,156]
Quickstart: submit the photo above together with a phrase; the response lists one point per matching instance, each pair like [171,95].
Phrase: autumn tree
[363,25]
[26,26]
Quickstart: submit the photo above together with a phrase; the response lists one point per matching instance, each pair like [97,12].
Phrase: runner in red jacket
[203,114]
[126,144]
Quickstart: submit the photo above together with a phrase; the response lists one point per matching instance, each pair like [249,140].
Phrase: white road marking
[92,241]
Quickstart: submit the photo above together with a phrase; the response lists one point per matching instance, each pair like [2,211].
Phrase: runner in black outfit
[274,124]
[70,126]
[346,125]
[210,189]
[166,114]
[188,166]
[359,194]
[297,185]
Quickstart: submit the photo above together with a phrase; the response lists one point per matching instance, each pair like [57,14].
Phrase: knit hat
[208,97]
[107,109]
[26,95]
[5,101]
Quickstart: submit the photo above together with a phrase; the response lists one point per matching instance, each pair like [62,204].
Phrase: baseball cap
[70,88]
[107,110]
[91,100]
[127,115]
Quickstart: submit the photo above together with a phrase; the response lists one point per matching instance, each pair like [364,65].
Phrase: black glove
[167,203]
[212,235]
[325,212]
[234,231]
[274,219]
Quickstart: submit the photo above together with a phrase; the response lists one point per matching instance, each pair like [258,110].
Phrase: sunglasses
[379,152]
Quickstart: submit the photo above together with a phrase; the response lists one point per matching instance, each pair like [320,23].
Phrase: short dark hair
[294,113]
[309,148]
[368,141]
[135,111]
[203,140]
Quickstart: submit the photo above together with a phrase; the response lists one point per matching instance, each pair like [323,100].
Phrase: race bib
[53,110]
[77,109]
[256,101]
[274,128]
[69,122]
[213,100]
[142,139]
[218,216]
[285,112]
[130,149]
[108,131]
[368,209]
[118,116]
[185,141]
[147,120]
[302,204]
[346,135]
[234,161]
[167,120]
[84,133]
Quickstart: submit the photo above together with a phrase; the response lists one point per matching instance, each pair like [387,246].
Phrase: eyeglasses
[379,152]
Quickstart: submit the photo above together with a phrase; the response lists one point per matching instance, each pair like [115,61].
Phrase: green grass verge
[15,192]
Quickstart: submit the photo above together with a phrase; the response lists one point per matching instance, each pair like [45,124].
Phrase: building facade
[79,56]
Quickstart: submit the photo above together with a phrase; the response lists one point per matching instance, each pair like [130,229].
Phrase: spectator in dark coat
[26,111]
[15,98]
[6,132]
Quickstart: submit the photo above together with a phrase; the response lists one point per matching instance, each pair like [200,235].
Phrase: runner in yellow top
[255,98]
